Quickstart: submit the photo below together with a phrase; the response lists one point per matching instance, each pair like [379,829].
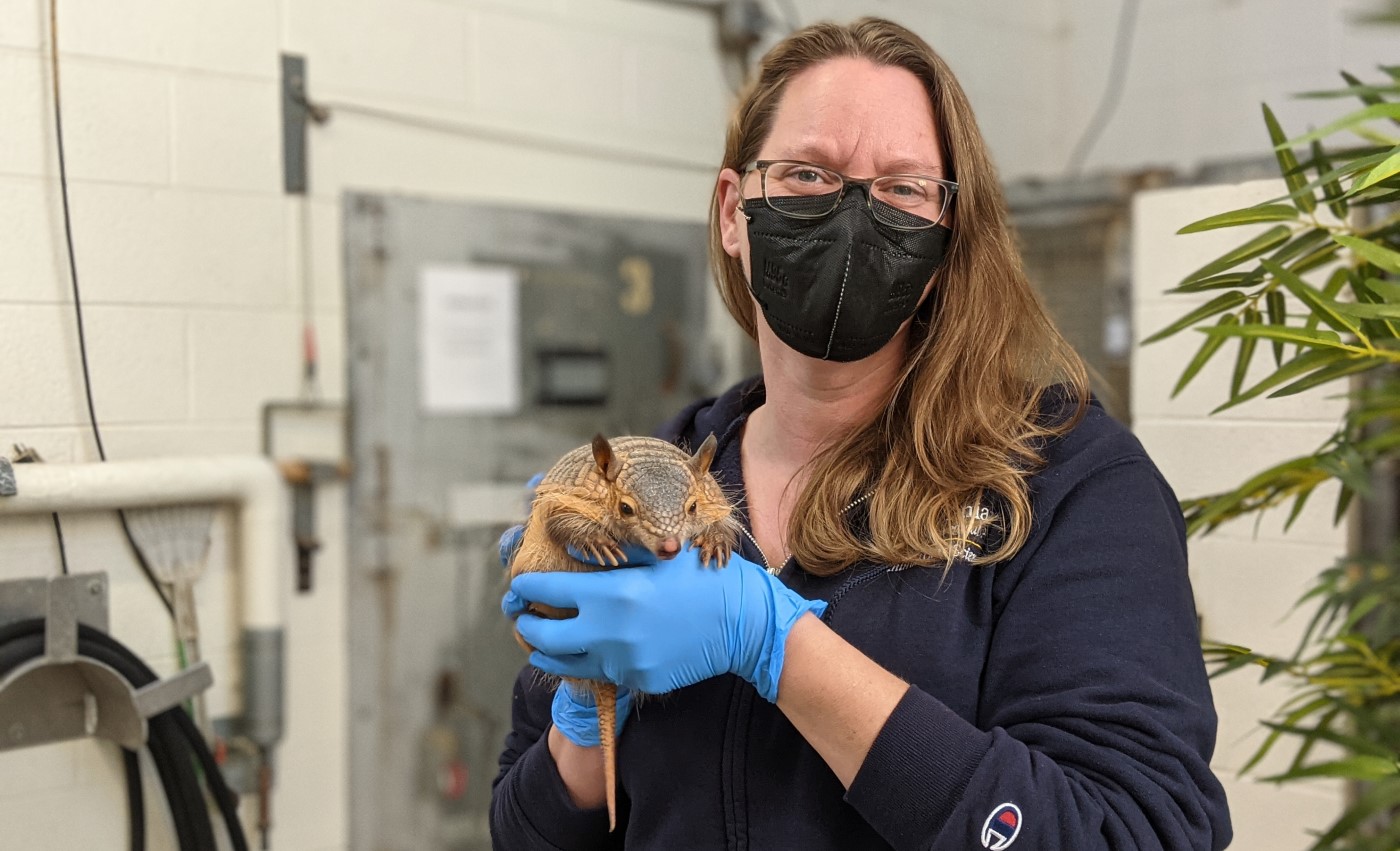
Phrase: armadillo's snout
[668,548]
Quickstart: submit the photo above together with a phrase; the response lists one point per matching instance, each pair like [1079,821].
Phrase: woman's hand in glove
[575,713]
[658,627]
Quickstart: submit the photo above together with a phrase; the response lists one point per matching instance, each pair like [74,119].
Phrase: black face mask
[838,287]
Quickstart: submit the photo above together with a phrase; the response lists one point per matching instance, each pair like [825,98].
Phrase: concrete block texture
[407,51]
[35,265]
[116,121]
[139,363]
[1203,458]
[1277,818]
[227,133]
[138,245]
[229,36]
[239,359]
[23,23]
[26,133]
[39,366]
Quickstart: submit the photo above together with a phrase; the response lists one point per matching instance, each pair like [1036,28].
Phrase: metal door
[611,331]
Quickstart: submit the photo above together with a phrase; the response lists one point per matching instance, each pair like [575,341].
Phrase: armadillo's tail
[605,695]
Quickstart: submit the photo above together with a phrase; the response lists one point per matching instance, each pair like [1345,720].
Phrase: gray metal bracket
[62,695]
[293,124]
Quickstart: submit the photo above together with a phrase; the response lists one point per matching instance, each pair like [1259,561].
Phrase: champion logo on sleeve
[1001,827]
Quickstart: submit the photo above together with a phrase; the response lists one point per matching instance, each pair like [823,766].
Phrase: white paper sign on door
[469,339]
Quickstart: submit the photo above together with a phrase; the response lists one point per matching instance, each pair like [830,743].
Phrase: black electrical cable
[62,548]
[1113,94]
[173,741]
[135,798]
[78,300]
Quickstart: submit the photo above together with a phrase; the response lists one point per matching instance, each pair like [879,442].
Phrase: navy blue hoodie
[1058,700]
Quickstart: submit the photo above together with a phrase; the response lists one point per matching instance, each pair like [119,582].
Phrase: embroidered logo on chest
[1001,827]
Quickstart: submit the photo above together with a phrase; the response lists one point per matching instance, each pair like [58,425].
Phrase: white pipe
[262,530]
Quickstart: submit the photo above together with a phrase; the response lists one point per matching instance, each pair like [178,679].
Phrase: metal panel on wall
[608,339]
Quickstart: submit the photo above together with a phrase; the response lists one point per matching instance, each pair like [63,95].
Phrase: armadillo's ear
[608,463]
[700,461]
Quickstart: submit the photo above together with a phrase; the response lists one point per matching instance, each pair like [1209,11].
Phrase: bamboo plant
[1317,295]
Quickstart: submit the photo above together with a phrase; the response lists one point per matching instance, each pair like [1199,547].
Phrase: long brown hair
[963,427]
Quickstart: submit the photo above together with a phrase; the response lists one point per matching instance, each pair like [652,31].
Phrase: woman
[975,627]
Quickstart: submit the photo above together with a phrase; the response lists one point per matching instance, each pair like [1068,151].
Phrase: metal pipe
[262,532]
[250,482]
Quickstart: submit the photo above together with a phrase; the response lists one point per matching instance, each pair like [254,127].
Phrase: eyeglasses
[803,190]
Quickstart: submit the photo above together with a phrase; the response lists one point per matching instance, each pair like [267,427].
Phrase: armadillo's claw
[614,554]
[714,556]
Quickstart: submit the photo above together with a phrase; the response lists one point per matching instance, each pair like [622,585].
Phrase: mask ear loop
[932,304]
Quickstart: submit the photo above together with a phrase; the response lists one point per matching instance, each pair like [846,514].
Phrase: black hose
[135,799]
[173,741]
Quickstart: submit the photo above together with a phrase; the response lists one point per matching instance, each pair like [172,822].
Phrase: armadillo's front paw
[603,551]
[714,549]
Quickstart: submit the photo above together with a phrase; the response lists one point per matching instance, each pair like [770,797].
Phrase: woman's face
[850,115]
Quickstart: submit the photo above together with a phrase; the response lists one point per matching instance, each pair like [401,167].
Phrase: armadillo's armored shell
[577,469]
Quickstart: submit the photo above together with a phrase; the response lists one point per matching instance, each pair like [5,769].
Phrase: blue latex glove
[576,714]
[659,627]
[574,710]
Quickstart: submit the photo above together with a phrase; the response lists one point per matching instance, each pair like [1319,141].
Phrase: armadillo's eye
[690,509]
[627,509]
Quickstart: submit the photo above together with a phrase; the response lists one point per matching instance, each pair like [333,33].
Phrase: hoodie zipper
[767,565]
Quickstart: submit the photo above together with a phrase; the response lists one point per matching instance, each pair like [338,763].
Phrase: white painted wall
[190,255]
[1246,580]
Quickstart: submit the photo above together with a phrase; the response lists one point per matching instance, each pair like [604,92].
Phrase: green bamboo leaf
[1369,94]
[1237,662]
[1288,164]
[1214,282]
[1359,767]
[1303,242]
[1370,311]
[1317,733]
[1304,337]
[1377,255]
[1261,244]
[1219,304]
[1331,189]
[1361,609]
[1348,467]
[1379,798]
[1389,291]
[1343,503]
[1370,98]
[1298,502]
[1334,285]
[1203,355]
[1321,257]
[1330,373]
[1370,113]
[1246,216]
[1288,725]
[1246,353]
[1377,195]
[1387,169]
[1371,134]
[1278,315]
[1322,307]
[1300,364]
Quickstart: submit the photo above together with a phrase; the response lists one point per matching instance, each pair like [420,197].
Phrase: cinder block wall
[1246,580]
[190,257]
